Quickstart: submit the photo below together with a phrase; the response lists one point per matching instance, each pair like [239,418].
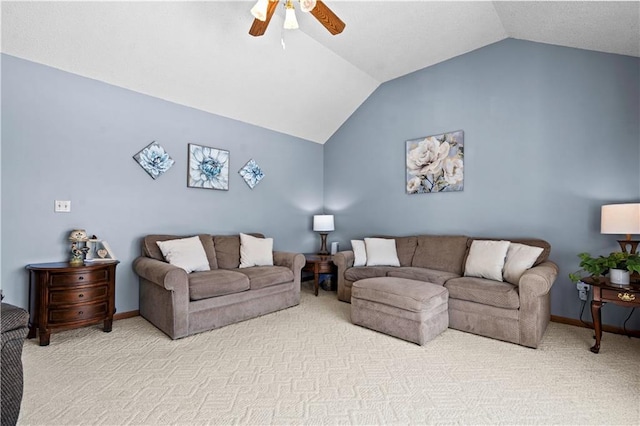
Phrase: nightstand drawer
[61,280]
[622,295]
[81,295]
[80,313]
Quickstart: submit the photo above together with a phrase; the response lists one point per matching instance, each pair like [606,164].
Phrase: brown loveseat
[182,304]
[501,310]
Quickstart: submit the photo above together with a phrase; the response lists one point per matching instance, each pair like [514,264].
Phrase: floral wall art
[435,163]
[208,168]
[251,173]
[154,160]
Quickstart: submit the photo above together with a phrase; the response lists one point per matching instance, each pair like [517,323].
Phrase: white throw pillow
[520,257]
[185,253]
[255,251]
[486,259]
[381,252]
[359,253]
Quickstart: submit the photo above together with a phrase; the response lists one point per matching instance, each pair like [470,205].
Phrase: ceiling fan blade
[259,27]
[327,18]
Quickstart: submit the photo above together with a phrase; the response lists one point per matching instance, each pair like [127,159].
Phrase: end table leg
[44,338]
[32,332]
[108,323]
[597,324]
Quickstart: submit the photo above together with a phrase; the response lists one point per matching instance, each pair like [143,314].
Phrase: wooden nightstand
[63,297]
[605,292]
[318,264]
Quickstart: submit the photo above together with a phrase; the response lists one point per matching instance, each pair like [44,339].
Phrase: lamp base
[631,245]
[323,244]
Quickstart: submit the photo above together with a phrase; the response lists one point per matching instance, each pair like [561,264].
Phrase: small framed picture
[154,160]
[208,168]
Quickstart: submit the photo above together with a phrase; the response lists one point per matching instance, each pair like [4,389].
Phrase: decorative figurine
[78,250]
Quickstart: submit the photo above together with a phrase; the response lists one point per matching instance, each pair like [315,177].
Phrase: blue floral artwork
[154,160]
[435,163]
[208,168]
[252,173]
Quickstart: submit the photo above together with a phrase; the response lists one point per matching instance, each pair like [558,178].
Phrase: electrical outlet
[62,206]
[583,290]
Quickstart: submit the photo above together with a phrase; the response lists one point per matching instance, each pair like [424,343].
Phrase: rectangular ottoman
[408,309]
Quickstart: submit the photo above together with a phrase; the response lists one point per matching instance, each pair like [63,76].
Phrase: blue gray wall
[550,134]
[66,137]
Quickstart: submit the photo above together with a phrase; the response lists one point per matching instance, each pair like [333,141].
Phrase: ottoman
[408,309]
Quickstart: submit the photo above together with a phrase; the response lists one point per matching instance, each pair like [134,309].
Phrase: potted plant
[619,264]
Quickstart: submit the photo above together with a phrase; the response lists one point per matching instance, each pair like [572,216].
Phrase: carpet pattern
[310,365]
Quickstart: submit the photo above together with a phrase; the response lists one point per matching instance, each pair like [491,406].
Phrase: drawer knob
[81,295]
[626,297]
[81,278]
[80,312]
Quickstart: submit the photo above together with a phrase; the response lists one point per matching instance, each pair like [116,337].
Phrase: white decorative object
[520,257]
[381,252]
[486,259]
[359,253]
[255,251]
[619,276]
[334,247]
[185,253]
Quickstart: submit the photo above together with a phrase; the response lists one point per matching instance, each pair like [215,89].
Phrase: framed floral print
[208,168]
[154,160]
[251,173]
[435,163]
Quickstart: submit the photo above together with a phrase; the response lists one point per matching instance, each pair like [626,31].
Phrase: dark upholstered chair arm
[538,280]
[14,323]
[164,274]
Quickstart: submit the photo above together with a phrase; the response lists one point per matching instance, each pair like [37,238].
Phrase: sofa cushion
[185,253]
[410,295]
[405,247]
[362,272]
[535,242]
[422,274]
[266,276]
[520,257]
[228,250]
[484,291]
[359,253]
[486,259]
[255,251]
[381,252]
[441,252]
[203,285]
[150,247]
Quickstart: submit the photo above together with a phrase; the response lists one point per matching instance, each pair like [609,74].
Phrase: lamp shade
[323,223]
[620,219]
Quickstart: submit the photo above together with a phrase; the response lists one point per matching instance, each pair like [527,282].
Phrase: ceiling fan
[264,9]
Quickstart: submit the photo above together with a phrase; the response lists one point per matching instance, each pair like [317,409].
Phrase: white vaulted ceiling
[200,54]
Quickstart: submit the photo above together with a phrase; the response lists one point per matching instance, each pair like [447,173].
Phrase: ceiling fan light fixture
[290,21]
[259,10]
[307,5]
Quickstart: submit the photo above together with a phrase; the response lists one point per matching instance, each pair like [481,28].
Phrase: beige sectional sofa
[181,304]
[514,312]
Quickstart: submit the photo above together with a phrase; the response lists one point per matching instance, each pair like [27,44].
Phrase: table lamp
[323,224]
[622,219]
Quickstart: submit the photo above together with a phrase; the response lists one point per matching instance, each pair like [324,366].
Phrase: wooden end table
[604,292]
[63,297]
[318,264]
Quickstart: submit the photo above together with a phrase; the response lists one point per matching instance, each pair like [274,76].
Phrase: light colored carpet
[310,365]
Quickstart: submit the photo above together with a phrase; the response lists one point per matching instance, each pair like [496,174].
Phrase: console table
[63,297]
[605,292]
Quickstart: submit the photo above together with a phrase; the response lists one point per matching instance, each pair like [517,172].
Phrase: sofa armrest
[538,280]
[343,261]
[164,274]
[293,261]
